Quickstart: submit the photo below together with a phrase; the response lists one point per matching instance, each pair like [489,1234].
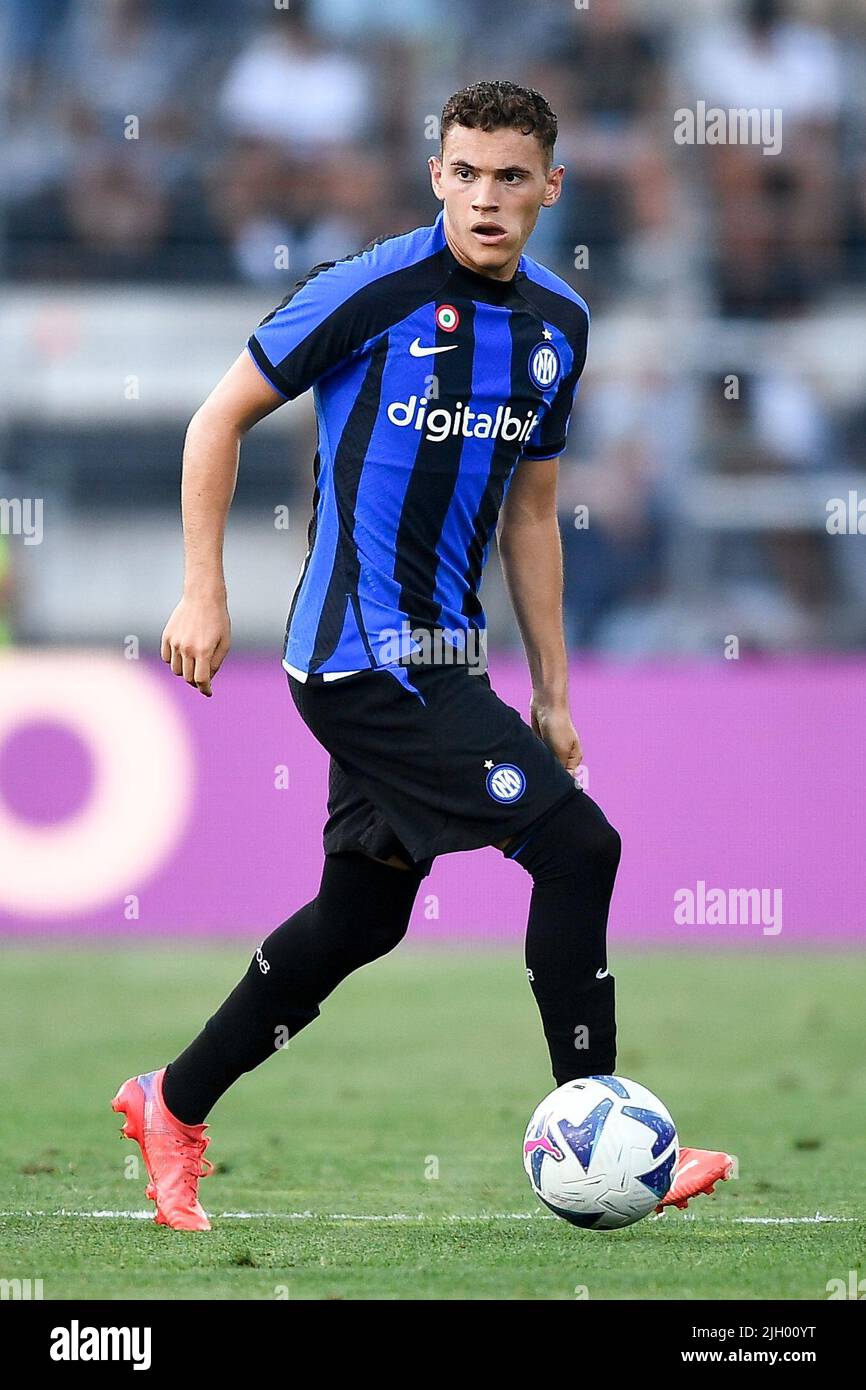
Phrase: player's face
[493,184]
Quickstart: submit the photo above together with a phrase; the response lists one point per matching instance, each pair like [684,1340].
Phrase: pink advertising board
[130,805]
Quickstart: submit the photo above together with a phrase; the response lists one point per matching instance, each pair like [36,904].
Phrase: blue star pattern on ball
[658,1180]
[613,1084]
[582,1139]
[665,1132]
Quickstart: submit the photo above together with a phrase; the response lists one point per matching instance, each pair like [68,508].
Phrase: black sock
[573,858]
[361,912]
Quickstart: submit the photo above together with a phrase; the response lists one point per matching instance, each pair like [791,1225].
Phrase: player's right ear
[244,395]
[434,164]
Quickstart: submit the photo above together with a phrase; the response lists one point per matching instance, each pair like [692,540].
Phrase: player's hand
[553,724]
[196,640]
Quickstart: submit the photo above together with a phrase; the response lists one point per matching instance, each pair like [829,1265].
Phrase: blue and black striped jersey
[430,382]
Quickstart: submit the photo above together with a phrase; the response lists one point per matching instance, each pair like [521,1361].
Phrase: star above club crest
[547,333]
[489,763]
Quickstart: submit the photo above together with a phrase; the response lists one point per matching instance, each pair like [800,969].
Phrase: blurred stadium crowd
[178,143]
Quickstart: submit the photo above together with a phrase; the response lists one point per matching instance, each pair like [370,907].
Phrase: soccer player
[444,364]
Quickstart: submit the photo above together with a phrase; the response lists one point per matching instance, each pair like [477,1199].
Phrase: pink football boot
[173,1153]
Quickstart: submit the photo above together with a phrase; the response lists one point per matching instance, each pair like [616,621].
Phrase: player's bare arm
[197,636]
[530,552]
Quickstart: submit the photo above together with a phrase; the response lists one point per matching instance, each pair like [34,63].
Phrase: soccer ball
[601,1152]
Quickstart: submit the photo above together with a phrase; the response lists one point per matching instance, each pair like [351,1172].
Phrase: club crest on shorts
[505,782]
[544,365]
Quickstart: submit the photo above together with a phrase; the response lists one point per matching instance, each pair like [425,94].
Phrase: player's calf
[573,858]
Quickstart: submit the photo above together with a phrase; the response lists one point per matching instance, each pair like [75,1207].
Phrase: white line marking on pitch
[399,1216]
[787,1220]
[408,1217]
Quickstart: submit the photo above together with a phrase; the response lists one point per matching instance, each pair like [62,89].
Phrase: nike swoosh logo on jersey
[416,350]
[601,974]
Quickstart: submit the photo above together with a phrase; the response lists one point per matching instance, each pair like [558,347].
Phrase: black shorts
[451,767]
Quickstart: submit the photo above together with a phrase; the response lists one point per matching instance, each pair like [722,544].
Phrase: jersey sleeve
[550,435]
[319,324]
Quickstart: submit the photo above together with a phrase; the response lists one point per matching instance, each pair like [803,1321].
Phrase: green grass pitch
[379,1155]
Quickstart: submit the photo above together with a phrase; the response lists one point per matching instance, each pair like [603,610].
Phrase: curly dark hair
[494,105]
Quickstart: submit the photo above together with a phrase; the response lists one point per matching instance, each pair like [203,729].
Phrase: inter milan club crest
[447,318]
[544,365]
[505,782]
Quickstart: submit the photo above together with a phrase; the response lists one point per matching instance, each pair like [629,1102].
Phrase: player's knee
[384,937]
[358,937]
[577,838]
[599,848]
[607,846]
